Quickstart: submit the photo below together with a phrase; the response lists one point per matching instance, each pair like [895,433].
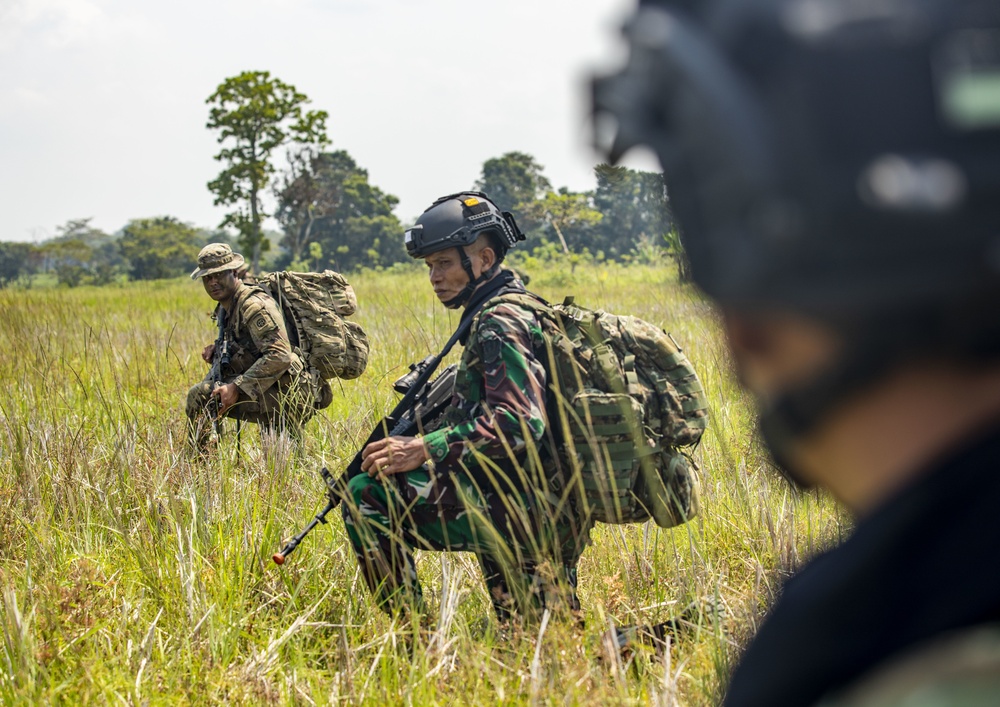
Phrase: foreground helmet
[456,221]
[824,154]
[840,158]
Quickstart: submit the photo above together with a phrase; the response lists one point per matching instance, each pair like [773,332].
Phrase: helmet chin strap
[474,282]
[796,413]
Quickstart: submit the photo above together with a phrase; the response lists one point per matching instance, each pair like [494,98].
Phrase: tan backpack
[316,306]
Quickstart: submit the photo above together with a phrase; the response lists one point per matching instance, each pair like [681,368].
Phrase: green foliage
[513,180]
[159,248]
[82,255]
[569,214]
[624,217]
[326,199]
[18,261]
[255,115]
[316,253]
[634,204]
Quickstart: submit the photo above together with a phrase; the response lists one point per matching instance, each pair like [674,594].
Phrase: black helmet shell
[457,220]
[824,155]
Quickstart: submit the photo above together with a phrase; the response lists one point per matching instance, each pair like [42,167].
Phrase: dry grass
[133,575]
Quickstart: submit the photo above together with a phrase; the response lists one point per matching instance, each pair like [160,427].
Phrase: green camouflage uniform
[485,489]
[274,389]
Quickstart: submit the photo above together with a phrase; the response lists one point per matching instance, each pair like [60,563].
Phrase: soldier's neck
[228,304]
[875,443]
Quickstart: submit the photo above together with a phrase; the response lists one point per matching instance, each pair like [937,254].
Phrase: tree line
[330,214]
[80,254]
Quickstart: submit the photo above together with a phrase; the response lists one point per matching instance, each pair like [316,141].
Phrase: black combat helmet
[456,221]
[839,158]
[822,153]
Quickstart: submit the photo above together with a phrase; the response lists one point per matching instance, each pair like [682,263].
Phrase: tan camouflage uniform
[274,389]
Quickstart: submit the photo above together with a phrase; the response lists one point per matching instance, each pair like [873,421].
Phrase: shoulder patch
[491,347]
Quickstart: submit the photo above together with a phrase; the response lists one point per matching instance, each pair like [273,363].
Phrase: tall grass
[133,574]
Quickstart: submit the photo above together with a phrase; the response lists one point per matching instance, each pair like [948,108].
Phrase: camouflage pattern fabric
[528,561]
[274,390]
[485,488]
[628,399]
[500,388]
[316,306]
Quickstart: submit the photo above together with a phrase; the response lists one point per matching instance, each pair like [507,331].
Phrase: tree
[159,248]
[327,199]
[309,192]
[513,180]
[569,214]
[17,260]
[82,254]
[71,258]
[316,253]
[634,203]
[256,115]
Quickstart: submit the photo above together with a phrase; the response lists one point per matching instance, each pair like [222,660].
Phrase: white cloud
[102,102]
[20,98]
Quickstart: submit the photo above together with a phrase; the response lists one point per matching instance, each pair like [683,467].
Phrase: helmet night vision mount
[821,154]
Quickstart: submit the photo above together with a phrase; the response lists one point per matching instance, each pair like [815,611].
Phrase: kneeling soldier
[257,377]
[476,483]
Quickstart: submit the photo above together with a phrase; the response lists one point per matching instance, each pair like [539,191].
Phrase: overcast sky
[102,102]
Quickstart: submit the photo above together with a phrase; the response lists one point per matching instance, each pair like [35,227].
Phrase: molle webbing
[623,398]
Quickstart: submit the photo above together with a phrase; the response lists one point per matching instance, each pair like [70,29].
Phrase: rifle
[420,403]
[220,359]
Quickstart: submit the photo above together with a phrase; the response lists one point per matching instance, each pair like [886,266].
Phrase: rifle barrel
[289,548]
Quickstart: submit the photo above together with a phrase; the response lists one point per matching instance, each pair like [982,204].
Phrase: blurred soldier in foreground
[835,166]
[255,375]
[467,485]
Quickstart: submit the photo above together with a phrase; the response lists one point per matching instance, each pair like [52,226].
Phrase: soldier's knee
[359,487]
[196,398]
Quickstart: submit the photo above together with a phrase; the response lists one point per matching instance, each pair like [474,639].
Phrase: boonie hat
[216,257]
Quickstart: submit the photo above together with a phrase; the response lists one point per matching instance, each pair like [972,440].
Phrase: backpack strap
[249,290]
[526,300]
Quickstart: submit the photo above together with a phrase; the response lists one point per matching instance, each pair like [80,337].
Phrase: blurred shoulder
[962,668]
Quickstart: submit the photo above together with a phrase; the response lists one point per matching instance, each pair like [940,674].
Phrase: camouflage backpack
[624,399]
[315,305]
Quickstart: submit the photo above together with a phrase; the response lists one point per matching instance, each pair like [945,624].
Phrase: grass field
[133,575]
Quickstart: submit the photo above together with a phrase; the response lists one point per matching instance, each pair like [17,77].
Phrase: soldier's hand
[227,393]
[393,455]
[208,353]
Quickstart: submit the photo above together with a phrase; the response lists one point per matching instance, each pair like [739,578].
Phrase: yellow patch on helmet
[471,201]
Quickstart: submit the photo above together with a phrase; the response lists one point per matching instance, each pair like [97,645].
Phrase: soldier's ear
[489,257]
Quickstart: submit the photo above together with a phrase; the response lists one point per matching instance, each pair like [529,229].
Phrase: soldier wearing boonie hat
[217,257]
[262,379]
